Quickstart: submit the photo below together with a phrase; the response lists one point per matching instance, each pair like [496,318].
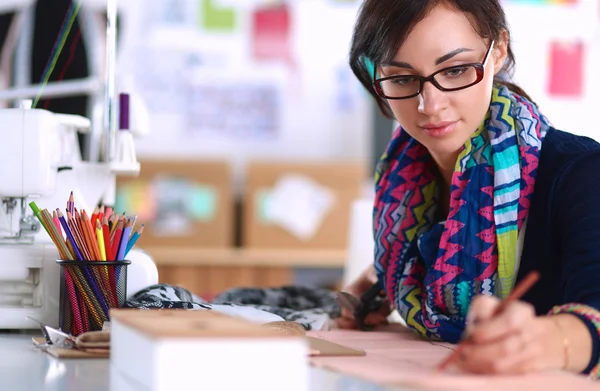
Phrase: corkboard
[181,203]
[344,180]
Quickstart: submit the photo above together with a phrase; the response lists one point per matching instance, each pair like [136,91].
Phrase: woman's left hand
[515,341]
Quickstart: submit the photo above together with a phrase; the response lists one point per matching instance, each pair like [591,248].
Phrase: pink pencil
[56,222]
[108,212]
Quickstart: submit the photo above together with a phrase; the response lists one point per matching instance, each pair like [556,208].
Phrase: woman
[476,190]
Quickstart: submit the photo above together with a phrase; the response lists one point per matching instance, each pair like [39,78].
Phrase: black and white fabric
[313,308]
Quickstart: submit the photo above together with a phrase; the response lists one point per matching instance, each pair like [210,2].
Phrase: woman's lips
[440,129]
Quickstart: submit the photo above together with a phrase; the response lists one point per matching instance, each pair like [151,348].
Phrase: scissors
[54,337]
[370,301]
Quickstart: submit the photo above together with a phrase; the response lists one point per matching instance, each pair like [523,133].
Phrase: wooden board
[69,353]
[75,353]
[316,346]
[320,347]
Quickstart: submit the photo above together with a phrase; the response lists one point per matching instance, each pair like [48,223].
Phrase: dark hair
[383,25]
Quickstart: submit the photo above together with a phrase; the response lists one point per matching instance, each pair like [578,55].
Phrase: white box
[160,350]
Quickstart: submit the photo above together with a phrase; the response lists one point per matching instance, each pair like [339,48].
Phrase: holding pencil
[516,294]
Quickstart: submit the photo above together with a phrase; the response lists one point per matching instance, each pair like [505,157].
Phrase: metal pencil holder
[88,290]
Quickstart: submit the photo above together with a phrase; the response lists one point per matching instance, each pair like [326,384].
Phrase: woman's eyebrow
[451,54]
[398,64]
[438,61]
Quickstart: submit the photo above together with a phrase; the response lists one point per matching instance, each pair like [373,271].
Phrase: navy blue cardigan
[562,239]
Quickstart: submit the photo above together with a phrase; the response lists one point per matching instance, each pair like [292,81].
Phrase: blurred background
[256,141]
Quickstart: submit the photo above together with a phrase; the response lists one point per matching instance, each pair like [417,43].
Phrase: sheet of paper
[271,33]
[235,108]
[398,357]
[299,205]
[566,69]
[216,17]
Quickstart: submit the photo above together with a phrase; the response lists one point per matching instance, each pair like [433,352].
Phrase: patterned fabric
[313,308]
[590,313]
[490,195]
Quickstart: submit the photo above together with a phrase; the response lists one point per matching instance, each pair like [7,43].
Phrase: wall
[306,101]
[557,49]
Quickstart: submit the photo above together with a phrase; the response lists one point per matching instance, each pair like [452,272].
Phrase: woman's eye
[455,72]
[403,80]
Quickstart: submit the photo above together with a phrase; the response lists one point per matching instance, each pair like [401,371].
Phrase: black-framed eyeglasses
[453,78]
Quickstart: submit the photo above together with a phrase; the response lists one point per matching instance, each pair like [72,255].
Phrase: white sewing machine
[41,162]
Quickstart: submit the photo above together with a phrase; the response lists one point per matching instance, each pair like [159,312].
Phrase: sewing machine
[41,162]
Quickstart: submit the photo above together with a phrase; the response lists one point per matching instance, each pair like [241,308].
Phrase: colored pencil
[101,214]
[134,239]
[108,213]
[123,242]
[69,235]
[77,236]
[116,240]
[94,216]
[74,303]
[56,222]
[71,204]
[106,233]
[94,244]
[100,238]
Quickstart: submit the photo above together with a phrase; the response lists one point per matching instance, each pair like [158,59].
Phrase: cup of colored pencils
[93,276]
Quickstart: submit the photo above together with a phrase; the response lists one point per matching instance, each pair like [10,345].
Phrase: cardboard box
[343,180]
[181,203]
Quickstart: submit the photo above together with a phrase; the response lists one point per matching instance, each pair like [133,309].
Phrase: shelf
[166,256]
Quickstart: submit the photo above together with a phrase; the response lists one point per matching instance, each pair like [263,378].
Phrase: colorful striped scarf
[475,251]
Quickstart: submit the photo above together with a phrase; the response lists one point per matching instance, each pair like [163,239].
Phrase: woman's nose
[431,100]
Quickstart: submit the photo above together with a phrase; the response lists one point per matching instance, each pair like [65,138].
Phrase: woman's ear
[500,51]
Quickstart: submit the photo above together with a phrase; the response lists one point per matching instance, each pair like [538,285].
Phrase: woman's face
[444,121]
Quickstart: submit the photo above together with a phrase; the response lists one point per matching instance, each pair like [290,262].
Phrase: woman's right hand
[359,286]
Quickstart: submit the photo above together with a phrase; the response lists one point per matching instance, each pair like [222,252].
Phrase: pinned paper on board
[216,17]
[170,204]
[297,204]
[160,80]
[262,199]
[136,198]
[175,12]
[234,109]
[271,34]
[565,71]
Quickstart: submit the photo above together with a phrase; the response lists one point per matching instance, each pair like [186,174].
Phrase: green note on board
[262,199]
[217,18]
[203,202]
